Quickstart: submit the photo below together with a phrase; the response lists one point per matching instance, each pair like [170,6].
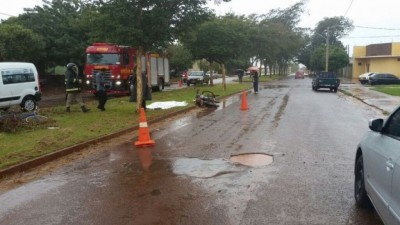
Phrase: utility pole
[327,50]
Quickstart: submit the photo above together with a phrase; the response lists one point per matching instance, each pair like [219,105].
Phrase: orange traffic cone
[244,102]
[144,135]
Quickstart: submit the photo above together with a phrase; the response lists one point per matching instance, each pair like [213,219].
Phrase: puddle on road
[275,86]
[252,159]
[202,168]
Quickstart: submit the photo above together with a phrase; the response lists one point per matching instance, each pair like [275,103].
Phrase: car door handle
[389,165]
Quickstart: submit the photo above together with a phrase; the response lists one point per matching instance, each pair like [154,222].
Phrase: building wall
[389,65]
[359,65]
[365,59]
[396,48]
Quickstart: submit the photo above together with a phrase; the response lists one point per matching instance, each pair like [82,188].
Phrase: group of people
[73,87]
[73,83]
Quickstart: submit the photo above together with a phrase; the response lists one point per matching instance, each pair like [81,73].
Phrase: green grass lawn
[388,89]
[77,127]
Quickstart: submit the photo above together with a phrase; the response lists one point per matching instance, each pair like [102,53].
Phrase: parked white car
[19,85]
[377,168]
[364,78]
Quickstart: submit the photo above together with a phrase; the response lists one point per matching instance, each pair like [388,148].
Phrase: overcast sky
[376,21]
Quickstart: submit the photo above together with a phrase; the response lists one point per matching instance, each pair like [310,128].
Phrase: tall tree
[18,43]
[149,25]
[58,22]
[180,58]
[338,58]
[327,32]
[220,40]
[280,37]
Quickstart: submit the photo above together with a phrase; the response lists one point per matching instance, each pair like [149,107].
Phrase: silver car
[197,77]
[377,168]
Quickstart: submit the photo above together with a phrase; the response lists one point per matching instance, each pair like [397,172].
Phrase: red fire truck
[119,63]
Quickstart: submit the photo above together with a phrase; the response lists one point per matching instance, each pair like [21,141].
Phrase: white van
[19,85]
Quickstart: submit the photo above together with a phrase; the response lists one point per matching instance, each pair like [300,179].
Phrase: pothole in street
[210,168]
[203,168]
[252,159]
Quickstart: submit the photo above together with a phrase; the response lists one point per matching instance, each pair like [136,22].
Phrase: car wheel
[335,90]
[360,194]
[28,104]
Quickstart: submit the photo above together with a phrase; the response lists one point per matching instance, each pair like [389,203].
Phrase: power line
[377,28]
[5,14]
[382,36]
[348,8]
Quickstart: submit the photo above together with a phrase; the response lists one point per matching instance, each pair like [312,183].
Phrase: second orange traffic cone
[244,105]
[144,134]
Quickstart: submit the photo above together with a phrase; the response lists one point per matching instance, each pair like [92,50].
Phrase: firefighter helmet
[73,67]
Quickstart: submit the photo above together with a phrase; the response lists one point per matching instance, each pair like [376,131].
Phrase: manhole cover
[252,159]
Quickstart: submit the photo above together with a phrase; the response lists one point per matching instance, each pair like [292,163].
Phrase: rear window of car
[199,73]
[326,75]
[391,76]
[378,76]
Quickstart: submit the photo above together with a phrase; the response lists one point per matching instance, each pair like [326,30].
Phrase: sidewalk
[379,100]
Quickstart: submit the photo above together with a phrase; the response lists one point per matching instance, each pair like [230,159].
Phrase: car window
[12,76]
[196,74]
[393,125]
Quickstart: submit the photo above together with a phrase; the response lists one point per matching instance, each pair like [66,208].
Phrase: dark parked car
[383,78]
[197,77]
[377,168]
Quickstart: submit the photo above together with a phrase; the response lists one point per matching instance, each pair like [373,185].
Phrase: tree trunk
[211,73]
[139,81]
[223,77]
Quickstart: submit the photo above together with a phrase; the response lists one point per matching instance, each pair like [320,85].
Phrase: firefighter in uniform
[73,89]
[101,89]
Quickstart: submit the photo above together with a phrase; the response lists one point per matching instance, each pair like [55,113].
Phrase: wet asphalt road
[188,178]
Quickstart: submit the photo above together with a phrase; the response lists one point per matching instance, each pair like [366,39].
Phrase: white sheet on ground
[165,105]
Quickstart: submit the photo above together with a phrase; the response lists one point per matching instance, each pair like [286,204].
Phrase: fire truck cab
[119,64]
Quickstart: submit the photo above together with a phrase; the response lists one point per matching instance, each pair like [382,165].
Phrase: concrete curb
[363,101]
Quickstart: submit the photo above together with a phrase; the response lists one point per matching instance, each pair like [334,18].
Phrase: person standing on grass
[101,89]
[73,89]
[255,81]
[240,74]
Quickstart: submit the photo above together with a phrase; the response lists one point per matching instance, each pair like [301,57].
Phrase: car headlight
[88,82]
[118,83]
